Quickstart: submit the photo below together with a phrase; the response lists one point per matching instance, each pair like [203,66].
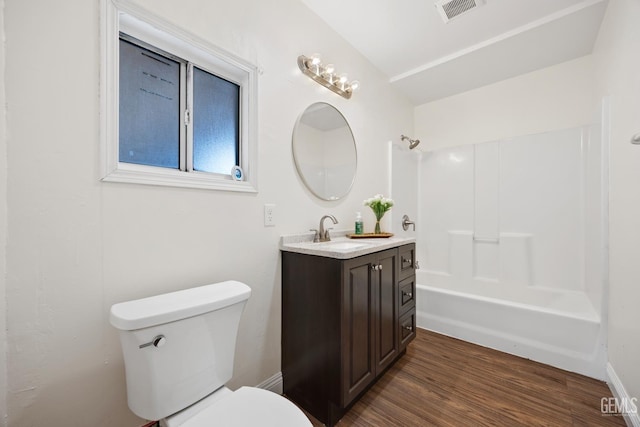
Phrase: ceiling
[428,59]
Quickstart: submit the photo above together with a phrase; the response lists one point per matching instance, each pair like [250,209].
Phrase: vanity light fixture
[326,75]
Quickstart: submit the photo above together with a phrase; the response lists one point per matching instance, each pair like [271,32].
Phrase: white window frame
[122,16]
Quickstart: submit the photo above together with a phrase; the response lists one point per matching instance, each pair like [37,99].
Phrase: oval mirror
[324,151]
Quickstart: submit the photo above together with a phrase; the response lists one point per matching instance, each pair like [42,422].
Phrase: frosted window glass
[215,123]
[149,118]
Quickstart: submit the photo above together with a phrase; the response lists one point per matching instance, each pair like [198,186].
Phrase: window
[215,123]
[176,111]
[149,107]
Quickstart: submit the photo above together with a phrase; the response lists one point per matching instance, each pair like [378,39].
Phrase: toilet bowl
[178,352]
[247,406]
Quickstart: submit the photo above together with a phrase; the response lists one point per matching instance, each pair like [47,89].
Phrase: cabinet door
[358,365]
[386,294]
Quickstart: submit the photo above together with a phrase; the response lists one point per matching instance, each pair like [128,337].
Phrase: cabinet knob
[408,294]
[409,328]
[376,267]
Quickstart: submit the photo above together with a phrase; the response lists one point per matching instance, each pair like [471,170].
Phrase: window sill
[175,178]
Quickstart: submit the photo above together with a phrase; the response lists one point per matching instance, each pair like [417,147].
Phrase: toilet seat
[250,406]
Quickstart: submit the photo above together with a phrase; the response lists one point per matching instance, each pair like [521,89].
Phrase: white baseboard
[620,393]
[274,383]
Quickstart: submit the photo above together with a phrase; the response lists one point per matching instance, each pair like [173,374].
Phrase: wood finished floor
[442,381]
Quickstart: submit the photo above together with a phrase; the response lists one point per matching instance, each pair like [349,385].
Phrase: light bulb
[315,63]
[355,85]
[342,81]
[327,73]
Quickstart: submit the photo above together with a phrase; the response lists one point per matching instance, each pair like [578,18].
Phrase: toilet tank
[178,347]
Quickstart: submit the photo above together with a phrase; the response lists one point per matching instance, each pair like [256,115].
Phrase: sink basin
[343,246]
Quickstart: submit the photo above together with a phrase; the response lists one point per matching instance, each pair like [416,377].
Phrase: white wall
[3,231]
[76,245]
[553,98]
[617,64]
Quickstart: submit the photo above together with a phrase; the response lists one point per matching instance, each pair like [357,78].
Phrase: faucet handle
[327,237]
[316,237]
[406,222]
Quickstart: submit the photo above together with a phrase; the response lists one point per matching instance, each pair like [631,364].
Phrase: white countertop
[340,246]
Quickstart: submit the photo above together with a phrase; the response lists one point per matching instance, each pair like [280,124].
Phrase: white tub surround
[513,246]
[512,211]
[340,246]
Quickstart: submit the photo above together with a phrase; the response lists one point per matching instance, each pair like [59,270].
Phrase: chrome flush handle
[157,341]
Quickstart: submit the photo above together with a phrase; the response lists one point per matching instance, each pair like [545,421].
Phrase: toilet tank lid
[173,306]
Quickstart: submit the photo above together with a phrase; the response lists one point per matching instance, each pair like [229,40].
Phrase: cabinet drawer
[407,289]
[407,325]
[407,260]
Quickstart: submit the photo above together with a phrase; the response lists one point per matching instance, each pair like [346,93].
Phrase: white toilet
[178,354]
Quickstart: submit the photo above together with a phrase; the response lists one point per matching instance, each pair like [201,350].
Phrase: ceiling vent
[450,9]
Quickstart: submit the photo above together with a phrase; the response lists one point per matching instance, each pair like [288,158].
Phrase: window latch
[187,117]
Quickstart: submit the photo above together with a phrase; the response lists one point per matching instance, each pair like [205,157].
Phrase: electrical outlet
[269,215]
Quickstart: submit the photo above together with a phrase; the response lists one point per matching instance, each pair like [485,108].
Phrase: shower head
[413,143]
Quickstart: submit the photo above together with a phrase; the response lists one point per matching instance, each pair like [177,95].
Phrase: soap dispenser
[359,225]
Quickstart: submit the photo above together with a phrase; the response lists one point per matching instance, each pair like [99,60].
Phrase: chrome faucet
[322,235]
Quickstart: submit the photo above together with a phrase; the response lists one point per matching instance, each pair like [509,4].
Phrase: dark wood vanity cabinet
[344,322]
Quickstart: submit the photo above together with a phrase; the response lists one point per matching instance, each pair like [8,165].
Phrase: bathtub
[558,328]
